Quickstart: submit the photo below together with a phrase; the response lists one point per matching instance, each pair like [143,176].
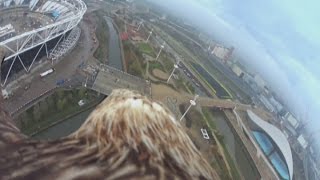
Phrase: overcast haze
[280,39]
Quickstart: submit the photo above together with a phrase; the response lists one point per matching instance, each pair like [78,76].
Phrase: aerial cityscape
[73,68]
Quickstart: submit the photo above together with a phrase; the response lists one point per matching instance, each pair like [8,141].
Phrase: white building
[220,52]
[237,70]
[302,141]
[292,120]
[260,82]
[276,104]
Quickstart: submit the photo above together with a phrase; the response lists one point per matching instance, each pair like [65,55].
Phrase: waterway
[220,91]
[114,57]
[235,147]
[64,128]
[70,125]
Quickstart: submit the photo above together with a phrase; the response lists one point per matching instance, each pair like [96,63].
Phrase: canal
[65,127]
[114,54]
[221,92]
[235,147]
[70,125]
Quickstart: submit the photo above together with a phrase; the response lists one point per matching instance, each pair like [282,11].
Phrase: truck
[46,73]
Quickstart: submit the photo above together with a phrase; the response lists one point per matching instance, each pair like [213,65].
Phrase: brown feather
[127,136]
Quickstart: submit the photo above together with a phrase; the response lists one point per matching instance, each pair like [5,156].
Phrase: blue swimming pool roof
[279,140]
[274,157]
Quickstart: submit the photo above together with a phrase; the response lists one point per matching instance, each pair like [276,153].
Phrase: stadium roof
[277,136]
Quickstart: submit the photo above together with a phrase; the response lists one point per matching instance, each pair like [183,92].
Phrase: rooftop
[274,136]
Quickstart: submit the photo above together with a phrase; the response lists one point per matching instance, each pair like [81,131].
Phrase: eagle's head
[139,135]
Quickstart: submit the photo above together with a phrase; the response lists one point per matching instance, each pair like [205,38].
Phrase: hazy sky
[279,38]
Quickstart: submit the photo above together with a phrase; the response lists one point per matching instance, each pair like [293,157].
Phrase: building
[302,141]
[273,144]
[34,31]
[221,52]
[237,70]
[265,101]
[276,104]
[260,82]
[292,120]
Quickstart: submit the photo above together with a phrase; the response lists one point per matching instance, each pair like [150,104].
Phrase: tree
[82,93]
[135,69]
[50,103]
[36,112]
[44,107]
[60,94]
[70,96]
[61,104]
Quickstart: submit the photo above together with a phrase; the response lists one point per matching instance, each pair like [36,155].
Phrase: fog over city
[278,40]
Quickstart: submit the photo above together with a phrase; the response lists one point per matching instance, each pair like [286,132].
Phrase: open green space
[54,108]
[147,49]
[189,50]
[167,61]
[134,60]
[155,65]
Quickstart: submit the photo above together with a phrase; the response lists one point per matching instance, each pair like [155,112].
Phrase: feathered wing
[126,137]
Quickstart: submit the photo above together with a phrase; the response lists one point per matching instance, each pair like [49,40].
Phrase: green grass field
[147,49]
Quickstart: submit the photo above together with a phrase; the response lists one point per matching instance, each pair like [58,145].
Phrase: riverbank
[55,107]
[124,67]
[88,106]
[115,56]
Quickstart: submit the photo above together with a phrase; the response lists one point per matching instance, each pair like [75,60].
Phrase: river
[114,53]
[235,147]
[70,125]
[64,128]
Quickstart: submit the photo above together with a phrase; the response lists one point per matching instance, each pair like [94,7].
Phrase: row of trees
[61,102]
[134,59]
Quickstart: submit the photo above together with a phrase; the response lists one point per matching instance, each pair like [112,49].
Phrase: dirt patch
[160,92]
[160,74]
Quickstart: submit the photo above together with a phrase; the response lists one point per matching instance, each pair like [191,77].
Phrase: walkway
[109,78]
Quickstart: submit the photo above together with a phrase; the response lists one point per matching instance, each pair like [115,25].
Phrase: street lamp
[192,103]
[161,47]
[150,33]
[85,84]
[139,25]
[175,66]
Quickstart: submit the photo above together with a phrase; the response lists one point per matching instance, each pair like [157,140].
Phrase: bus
[46,73]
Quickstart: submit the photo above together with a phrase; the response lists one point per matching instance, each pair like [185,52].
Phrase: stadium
[33,31]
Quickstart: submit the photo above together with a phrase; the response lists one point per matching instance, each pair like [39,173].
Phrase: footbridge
[222,104]
[108,78]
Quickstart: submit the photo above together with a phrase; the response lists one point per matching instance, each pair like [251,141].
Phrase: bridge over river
[222,104]
[109,78]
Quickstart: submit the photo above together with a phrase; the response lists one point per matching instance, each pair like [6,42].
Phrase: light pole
[192,103]
[150,33]
[175,66]
[139,25]
[85,85]
[161,47]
